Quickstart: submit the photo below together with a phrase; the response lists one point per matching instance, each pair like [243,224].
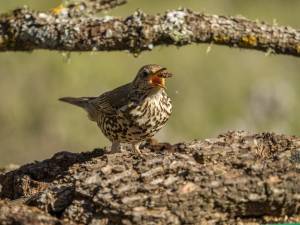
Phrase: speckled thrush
[133,112]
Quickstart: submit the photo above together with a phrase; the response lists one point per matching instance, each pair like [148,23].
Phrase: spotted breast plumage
[133,112]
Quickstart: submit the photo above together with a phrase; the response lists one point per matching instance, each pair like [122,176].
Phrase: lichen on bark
[64,30]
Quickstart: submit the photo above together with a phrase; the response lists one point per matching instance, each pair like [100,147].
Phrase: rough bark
[235,178]
[63,29]
[14,213]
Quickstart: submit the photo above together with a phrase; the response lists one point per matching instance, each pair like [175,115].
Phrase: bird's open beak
[158,81]
[158,78]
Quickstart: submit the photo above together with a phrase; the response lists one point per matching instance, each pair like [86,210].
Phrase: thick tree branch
[11,213]
[231,179]
[24,30]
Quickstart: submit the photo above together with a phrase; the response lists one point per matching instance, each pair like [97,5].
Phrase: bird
[132,112]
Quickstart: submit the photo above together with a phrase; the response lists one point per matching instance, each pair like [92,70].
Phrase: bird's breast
[153,112]
[137,121]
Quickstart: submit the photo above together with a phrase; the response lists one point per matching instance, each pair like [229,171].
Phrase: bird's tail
[82,102]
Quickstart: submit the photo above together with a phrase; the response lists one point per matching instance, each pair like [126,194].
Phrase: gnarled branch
[24,30]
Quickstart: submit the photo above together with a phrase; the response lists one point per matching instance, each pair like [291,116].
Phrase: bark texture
[235,178]
[19,214]
[73,28]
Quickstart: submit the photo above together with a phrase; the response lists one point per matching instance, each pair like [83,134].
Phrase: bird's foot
[136,150]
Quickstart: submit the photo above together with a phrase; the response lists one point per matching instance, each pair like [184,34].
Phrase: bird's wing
[112,101]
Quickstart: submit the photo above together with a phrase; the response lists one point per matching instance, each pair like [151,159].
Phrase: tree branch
[24,30]
[235,178]
[12,213]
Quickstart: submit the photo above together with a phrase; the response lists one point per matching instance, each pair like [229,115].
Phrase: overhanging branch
[24,30]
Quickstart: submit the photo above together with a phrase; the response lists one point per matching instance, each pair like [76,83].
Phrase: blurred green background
[212,92]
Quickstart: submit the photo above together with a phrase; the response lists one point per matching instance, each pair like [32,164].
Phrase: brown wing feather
[110,102]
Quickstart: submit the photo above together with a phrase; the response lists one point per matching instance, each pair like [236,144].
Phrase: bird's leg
[115,147]
[136,148]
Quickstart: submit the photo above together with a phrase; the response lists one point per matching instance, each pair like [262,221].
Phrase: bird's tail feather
[81,102]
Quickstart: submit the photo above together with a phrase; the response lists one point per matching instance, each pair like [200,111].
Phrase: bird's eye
[145,73]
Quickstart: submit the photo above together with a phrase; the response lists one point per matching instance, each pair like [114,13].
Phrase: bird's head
[151,77]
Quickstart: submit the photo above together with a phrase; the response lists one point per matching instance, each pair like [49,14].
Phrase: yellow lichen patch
[253,40]
[249,40]
[221,38]
[226,38]
[298,48]
[216,38]
[57,10]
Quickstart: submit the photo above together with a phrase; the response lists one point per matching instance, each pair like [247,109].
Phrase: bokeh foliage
[212,92]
